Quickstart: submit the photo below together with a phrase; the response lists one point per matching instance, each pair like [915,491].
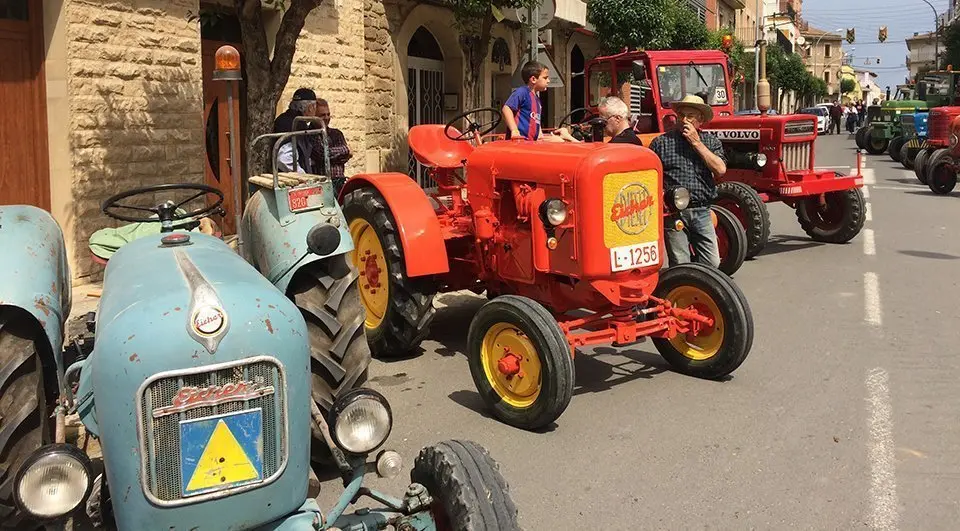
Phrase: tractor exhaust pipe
[763,86]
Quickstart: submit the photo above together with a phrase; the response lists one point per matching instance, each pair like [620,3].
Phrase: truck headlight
[760,160]
[360,421]
[553,211]
[53,481]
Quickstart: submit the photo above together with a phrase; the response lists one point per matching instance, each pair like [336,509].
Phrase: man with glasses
[616,117]
[692,159]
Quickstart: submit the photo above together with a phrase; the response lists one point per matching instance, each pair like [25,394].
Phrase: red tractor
[935,152]
[769,157]
[944,164]
[546,229]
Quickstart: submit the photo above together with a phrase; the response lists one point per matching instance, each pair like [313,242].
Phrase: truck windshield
[707,81]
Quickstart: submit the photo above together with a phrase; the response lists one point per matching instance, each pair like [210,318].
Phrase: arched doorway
[424,90]
[577,81]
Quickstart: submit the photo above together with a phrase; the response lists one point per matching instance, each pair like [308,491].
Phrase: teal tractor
[193,396]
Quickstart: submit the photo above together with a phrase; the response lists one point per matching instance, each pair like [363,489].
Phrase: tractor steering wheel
[476,128]
[587,116]
[168,211]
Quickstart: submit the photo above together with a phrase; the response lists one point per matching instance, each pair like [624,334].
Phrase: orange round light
[552,243]
[727,41]
[226,63]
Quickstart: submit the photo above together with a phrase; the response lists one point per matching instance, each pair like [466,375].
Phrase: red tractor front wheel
[731,240]
[746,204]
[834,217]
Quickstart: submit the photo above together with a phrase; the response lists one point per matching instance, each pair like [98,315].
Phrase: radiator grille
[796,156]
[161,436]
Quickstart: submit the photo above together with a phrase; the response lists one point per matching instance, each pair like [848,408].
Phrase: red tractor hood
[746,128]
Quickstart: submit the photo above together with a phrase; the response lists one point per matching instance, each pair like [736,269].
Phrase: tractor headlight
[680,198]
[760,160]
[53,481]
[360,421]
[553,211]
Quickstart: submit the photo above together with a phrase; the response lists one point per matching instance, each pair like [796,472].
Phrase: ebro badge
[735,135]
[221,452]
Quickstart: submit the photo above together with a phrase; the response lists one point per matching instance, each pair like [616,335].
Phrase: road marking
[904,188]
[833,168]
[871,300]
[883,480]
[868,176]
[866,192]
[869,212]
[869,245]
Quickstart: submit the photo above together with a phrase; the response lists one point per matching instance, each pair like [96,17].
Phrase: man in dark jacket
[303,103]
[836,116]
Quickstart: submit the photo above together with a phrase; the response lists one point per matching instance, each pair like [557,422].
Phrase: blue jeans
[702,236]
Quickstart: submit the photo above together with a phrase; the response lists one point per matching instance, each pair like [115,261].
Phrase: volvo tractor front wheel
[834,217]
[399,308]
[713,348]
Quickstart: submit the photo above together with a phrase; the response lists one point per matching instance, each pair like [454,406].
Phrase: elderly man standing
[692,159]
[337,144]
[304,103]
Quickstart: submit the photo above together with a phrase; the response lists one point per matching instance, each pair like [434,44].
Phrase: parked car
[753,112]
[822,114]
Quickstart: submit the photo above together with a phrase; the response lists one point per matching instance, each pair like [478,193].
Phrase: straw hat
[696,103]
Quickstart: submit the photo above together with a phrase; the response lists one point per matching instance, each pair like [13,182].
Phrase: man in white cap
[692,159]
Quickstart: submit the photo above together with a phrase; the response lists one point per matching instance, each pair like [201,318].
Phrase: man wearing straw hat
[692,159]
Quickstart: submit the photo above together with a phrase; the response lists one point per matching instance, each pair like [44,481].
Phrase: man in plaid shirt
[339,151]
[692,158]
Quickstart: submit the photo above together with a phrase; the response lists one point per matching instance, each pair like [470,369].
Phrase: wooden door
[217,133]
[24,167]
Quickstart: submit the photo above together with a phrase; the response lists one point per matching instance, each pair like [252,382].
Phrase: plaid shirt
[683,166]
[338,154]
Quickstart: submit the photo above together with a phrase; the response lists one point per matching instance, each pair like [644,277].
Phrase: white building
[921,49]
[868,84]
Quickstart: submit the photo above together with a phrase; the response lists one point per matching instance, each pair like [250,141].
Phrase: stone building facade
[126,97]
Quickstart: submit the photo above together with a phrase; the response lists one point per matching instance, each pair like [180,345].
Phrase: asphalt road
[845,414]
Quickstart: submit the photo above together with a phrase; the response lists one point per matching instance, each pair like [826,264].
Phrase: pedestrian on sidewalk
[836,114]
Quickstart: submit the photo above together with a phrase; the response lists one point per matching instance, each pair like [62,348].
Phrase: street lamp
[227,68]
[936,36]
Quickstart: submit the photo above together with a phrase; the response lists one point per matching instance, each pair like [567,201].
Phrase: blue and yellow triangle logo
[218,453]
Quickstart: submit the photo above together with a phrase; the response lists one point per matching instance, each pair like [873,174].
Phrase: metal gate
[424,105]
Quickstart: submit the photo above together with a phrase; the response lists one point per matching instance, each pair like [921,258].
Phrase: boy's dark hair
[531,69]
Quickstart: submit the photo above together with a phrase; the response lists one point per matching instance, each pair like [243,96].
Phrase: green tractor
[885,132]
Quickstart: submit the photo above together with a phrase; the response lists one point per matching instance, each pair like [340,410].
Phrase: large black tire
[736,326]
[861,137]
[840,220]
[905,157]
[935,163]
[894,148]
[745,203]
[409,311]
[469,492]
[731,240]
[527,319]
[943,179]
[23,415]
[920,165]
[875,146]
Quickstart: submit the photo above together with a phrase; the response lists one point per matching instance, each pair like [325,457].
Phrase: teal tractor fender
[37,273]
[277,221]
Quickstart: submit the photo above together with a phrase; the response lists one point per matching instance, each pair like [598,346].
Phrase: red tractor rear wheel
[943,178]
[745,203]
[834,217]
[731,240]
[706,351]
[920,165]
[520,361]
[937,158]
[399,309]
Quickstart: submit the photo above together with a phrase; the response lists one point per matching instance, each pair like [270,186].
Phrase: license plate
[634,256]
[221,452]
[306,198]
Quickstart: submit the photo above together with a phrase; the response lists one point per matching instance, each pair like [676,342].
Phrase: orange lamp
[226,64]
[726,41]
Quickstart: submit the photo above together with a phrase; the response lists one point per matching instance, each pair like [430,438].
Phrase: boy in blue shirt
[523,109]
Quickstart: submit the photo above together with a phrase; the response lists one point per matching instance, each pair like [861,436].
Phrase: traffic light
[851,35]
[878,60]
[883,34]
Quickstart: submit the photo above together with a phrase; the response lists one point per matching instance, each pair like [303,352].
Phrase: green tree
[847,85]
[687,32]
[638,24]
[951,40]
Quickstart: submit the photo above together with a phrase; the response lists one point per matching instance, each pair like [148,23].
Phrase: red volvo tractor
[770,157]
[546,229]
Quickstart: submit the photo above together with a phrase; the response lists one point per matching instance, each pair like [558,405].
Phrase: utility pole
[936,36]
[756,55]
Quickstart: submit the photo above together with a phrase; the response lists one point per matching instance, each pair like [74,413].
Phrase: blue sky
[901,17]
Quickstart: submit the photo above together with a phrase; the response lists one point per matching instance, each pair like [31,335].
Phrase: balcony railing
[747,35]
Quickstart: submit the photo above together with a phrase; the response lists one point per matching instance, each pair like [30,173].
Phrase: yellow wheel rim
[368,257]
[708,341]
[506,347]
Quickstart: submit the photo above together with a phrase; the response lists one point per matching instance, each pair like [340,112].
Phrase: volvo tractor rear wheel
[938,158]
[894,148]
[399,308]
[943,177]
[875,144]
[520,361]
[745,203]
[834,217]
[920,165]
[708,350]
[469,493]
[731,240]
[23,414]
